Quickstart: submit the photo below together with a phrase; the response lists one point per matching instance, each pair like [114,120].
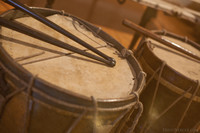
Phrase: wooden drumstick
[150,34]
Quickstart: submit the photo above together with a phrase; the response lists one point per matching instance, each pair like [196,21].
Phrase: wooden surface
[121,36]
[4,7]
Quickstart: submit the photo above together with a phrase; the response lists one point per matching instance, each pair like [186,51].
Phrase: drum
[46,89]
[171,97]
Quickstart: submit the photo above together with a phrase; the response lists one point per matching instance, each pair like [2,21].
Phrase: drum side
[172,85]
[169,74]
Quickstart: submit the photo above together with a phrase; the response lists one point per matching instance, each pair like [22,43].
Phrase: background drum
[179,8]
[172,97]
[46,89]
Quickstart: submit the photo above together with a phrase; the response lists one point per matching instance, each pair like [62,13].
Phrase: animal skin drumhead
[68,70]
[177,60]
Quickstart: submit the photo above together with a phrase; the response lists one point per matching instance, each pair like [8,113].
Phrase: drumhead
[66,69]
[178,61]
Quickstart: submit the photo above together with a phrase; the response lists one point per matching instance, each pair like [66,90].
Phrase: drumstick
[148,33]
[56,27]
[46,38]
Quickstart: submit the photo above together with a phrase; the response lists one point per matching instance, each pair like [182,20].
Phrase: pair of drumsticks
[44,37]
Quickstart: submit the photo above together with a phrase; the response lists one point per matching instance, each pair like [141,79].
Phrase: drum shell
[171,86]
[52,110]
[45,117]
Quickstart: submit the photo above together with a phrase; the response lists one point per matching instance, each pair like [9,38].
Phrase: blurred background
[109,14]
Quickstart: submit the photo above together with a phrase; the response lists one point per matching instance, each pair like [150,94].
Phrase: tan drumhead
[178,61]
[71,72]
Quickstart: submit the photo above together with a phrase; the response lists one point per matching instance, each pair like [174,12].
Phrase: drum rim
[167,67]
[103,103]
